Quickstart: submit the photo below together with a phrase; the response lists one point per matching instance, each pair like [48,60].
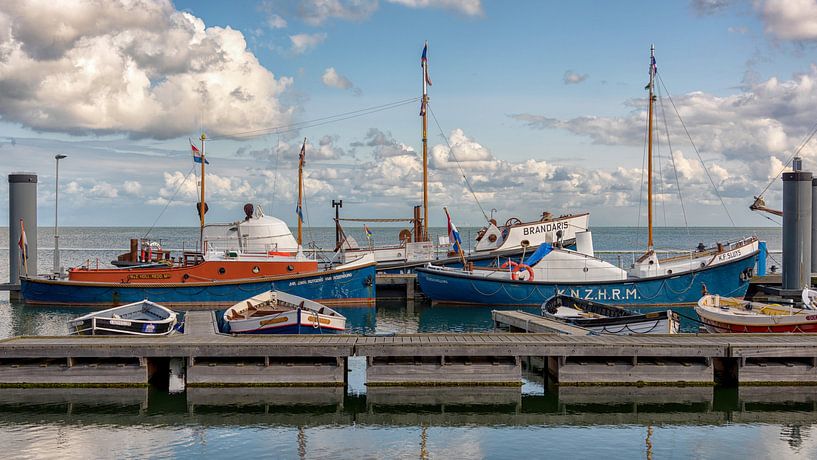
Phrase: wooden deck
[213,359]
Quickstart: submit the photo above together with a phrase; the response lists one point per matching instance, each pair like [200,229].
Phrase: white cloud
[464,153]
[573,78]
[105,66]
[316,12]
[789,19]
[276,22]
[466,7]
[132,187]
[301,43]
[332,79]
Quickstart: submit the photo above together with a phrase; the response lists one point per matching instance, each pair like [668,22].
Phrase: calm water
[538,421]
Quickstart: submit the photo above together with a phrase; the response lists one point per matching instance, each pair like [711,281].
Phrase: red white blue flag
[453,233]
[424,64]
[23,242]
[197,156]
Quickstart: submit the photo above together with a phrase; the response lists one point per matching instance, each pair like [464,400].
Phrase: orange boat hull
[218,270]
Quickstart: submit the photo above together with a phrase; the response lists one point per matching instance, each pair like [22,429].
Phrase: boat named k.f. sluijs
[724,269]
[725,314]
[237,260]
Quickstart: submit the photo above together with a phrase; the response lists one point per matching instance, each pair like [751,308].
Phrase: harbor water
[539,420]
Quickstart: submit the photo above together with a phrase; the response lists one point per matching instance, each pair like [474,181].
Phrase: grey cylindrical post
[814,226]
[796,229]
[22,205]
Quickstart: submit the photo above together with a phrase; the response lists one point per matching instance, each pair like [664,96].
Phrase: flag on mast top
[424,63]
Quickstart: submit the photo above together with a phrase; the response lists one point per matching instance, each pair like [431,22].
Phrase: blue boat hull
[728,280]
[351,286]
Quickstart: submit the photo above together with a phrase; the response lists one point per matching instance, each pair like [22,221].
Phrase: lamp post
[57,268]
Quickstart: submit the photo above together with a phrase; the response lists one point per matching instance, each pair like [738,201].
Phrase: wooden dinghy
[727,314]
[139,318]
[276,312]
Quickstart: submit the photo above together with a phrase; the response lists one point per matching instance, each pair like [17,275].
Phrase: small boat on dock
[276,312]
[605,319]
[143,318]
[726,314]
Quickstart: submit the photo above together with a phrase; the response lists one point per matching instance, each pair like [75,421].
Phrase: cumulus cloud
[741,137]
[385,145]
[466,7]
[301,43]
[789,19]
[573,78]
[140,68]
[464,151]
[132,187]
[333,79]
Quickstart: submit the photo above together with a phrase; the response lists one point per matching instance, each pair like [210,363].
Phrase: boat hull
[292,322]
[343,286]
[727,279]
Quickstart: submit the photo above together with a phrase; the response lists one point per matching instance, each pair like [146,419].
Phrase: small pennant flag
[424,64]
[23,242]
[197,156]
[299,211]
[368,232]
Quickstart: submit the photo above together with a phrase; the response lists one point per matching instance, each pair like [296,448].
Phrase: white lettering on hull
[601,295]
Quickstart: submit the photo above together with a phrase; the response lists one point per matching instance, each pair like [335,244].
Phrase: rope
[796,152]
[318,121]
[674,167]
[695,148]
[459,166]
[153,225]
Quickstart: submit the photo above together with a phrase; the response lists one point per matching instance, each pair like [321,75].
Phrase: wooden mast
[301,192]
[202,204]
[649,150]
[424,113]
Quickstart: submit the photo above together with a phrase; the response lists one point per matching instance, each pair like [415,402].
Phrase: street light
[57,268]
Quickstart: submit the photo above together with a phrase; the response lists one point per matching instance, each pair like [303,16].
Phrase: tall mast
[424,113]
[301,192]
[203,203]
[649,150]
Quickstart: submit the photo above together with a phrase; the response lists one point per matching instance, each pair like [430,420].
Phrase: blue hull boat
[730,279]
[343,286]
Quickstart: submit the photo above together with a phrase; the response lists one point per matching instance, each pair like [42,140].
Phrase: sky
[534,106]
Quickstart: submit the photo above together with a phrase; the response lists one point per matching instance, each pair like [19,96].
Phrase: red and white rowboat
[726,314]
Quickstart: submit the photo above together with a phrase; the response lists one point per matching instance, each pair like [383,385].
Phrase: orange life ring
[510,263]
[518,269]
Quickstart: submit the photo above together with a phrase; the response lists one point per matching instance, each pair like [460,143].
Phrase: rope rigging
[459,166]
[317,121]
[802,145]
[153,225]
[695,148]
[674,166]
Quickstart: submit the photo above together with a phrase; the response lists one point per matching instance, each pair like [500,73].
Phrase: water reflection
[424,422]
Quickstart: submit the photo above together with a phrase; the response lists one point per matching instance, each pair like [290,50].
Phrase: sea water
[539,421]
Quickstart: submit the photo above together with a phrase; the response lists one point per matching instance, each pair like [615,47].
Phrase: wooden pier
[209,359]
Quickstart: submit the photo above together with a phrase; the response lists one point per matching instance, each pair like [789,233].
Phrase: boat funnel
[584,243]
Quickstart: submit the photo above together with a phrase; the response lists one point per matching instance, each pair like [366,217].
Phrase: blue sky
[543,104]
